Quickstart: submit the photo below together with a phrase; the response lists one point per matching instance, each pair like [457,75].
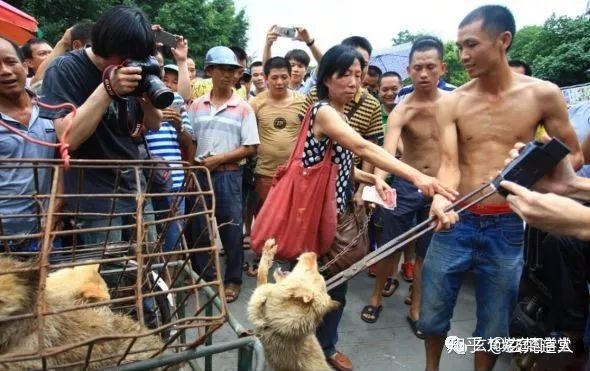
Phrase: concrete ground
[388,344]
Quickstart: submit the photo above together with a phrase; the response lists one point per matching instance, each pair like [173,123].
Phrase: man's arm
[62,46]
[392,135]
[152,117]
[89,114]
[271,37]
[549,212]
[557,123]
[303,35]
[181,55]
[449,173]
[230,157]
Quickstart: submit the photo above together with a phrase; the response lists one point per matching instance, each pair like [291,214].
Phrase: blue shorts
[491,246]
[412,209]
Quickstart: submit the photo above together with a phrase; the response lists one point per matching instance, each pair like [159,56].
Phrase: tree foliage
[405,36]
[559,51]
[204,23]
[455,74]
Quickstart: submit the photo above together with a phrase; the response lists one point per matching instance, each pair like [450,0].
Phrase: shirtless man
[415,121]
[479,124]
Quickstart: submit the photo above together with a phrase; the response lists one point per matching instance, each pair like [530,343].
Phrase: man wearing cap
[225,130]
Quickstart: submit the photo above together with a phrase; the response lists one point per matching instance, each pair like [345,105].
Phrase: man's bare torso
[489,126]
[420,134]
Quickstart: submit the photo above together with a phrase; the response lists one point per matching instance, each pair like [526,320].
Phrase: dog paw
[270,249]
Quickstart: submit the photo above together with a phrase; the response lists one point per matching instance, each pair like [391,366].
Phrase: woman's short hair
[337,59]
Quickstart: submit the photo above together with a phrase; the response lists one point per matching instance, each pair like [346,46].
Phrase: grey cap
[221,55]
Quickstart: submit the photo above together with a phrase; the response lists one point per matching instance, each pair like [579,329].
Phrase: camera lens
[157,91]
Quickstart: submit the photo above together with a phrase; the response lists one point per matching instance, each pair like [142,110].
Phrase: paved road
[388,344]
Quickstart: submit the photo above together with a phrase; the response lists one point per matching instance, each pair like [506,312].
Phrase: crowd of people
[430,141]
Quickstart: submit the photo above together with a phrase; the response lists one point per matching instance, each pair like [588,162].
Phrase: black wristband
[310,43]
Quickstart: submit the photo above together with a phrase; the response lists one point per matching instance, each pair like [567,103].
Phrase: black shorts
[412,209]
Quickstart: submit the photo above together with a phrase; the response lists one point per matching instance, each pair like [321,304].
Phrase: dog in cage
[66,335]
[287,313]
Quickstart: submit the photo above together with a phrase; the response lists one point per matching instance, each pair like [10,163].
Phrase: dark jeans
[227,187]
[327,332]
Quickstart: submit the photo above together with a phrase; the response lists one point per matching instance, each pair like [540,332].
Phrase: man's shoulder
[73,59]
[259,99]
[541,88]
[371,102]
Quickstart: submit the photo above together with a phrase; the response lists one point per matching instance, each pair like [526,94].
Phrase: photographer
[110,117]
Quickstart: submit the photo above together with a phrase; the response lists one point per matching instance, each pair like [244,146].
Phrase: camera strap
[107,75]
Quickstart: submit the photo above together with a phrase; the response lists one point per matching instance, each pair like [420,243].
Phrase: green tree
[559,51]
[56,16]
[405,36]
[204,23]
[455,74]
[527,44]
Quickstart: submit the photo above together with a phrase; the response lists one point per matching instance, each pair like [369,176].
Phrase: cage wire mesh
[59,247]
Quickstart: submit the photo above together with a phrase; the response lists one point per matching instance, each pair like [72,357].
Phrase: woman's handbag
[300,210]
[351,243]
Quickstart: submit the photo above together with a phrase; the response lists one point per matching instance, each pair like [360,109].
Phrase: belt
[489,209]
[227,167]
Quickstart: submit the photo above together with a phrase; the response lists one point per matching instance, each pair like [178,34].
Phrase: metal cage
[152,305]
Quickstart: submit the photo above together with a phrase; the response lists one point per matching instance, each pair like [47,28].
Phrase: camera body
[534,161]
[159,94]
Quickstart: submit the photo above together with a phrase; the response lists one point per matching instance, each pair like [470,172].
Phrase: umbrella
[392,59]
[16,25]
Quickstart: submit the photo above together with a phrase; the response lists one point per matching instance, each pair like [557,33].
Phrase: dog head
[294,306]
[82,283]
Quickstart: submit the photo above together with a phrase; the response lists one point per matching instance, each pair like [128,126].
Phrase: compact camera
[160,96]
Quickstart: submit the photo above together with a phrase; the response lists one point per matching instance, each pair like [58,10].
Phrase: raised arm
[181,55]
[303,35]
[329,123]
[62,46]
[271,37]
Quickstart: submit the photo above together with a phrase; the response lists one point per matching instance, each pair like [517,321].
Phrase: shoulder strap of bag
[358,105]
[302,137]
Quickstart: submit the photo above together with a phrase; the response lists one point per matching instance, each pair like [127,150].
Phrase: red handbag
[300,210]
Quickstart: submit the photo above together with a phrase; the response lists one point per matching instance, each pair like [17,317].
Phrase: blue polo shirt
[17,181]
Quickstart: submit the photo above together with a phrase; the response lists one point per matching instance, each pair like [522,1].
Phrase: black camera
[160,96]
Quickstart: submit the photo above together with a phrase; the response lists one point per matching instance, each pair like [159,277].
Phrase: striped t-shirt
[366,120]
[222,129]
[164,143]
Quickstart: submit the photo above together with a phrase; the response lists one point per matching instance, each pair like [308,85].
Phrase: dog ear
[93,293]
[302,293]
